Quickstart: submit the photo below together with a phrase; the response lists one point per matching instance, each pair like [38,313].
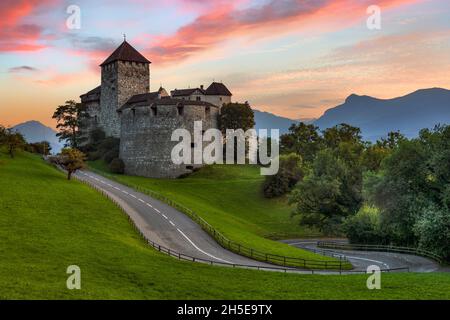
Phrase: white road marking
[149,205]
[165,217]
[157,210]
[376,261]
[193,244]
[125,192]
[141,200]
[172,223]
[116,188]
[133,196]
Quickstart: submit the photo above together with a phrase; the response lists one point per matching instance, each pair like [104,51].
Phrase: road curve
[165,225]
[385,260]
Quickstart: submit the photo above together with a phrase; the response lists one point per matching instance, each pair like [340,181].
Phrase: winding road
[165,225]
[174,230]
[362,259]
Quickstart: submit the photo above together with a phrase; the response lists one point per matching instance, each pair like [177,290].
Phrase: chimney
[201,87]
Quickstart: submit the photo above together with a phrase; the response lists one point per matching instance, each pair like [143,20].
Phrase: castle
[123,107]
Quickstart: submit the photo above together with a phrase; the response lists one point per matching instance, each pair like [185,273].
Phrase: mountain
[34,131]
[376,117]
[266,120]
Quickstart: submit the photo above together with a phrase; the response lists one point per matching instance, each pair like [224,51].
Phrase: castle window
[220,98]
[134,112]
[207,111]
[190,167]
[95,119]
[154,111]
[192,145]
[180,110]
[199,98]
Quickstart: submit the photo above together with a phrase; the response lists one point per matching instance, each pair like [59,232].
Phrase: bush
[95,155]
[117,166]
[289,173]
[364,226]
[433,230]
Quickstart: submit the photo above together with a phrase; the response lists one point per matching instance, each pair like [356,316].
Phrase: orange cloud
[225,21]
[15,34]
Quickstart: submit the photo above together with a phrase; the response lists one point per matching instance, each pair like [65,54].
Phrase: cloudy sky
[294,58]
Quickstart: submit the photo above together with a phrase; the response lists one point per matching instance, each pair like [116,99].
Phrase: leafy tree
[289,173]
[331,191]
[13,141]
[236,116]
[69,117]
[3,134]
[364,226]
[71,160]
[43,148]
[334,136]
[433,231]
[303,139]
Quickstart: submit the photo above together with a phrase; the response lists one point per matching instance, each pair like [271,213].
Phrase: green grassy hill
[229,197]
[48,223]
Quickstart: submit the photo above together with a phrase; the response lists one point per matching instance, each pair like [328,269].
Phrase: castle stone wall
[120,81]
[145,142]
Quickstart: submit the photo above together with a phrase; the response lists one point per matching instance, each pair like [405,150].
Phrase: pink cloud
[225,21]
[15,33]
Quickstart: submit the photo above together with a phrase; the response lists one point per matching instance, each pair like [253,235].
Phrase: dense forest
[395,191]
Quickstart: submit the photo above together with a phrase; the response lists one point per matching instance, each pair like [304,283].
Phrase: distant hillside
[266,120]
[34,131]
[376,117]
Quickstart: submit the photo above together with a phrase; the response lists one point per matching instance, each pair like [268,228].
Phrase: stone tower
[125,73]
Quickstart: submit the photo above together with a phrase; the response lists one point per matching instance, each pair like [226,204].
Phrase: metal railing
[185,257]
[340,262]
[381,248]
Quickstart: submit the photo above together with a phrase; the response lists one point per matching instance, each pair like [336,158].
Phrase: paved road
[165,225]
[385,260]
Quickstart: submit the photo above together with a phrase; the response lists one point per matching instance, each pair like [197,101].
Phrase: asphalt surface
[174,230]
[165,225]
[385,260]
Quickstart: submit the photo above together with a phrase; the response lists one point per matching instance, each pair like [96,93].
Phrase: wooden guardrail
[381,248]
[340,263]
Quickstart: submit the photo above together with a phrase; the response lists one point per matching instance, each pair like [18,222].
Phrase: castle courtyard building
[123,107]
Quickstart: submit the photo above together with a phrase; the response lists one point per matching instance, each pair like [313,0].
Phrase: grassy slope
[48,223]
[230,199]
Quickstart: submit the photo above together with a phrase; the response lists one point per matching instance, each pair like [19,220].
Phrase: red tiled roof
[125,52]
[218,89]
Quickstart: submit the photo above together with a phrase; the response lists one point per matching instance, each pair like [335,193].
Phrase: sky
[293,58]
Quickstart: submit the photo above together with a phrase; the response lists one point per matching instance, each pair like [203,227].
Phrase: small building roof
[92,95]
[148,99]
[125,52]
[185,92]
[218,89]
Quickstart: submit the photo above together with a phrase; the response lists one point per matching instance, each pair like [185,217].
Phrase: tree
[71,160]
[334,136]
[303,139]
[332,189]
[236,116]
[13,141]
[43,148]
[3,133]
[69,117]
[289,173]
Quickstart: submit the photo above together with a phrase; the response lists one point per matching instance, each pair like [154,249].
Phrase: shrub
[111,155]
[364,226]
[117,166]
[433,229]
[289,173]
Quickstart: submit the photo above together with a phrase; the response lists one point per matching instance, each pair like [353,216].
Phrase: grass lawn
[229,197]
[48,223]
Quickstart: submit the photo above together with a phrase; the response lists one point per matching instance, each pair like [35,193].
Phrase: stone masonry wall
[120,81]
[145,142]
